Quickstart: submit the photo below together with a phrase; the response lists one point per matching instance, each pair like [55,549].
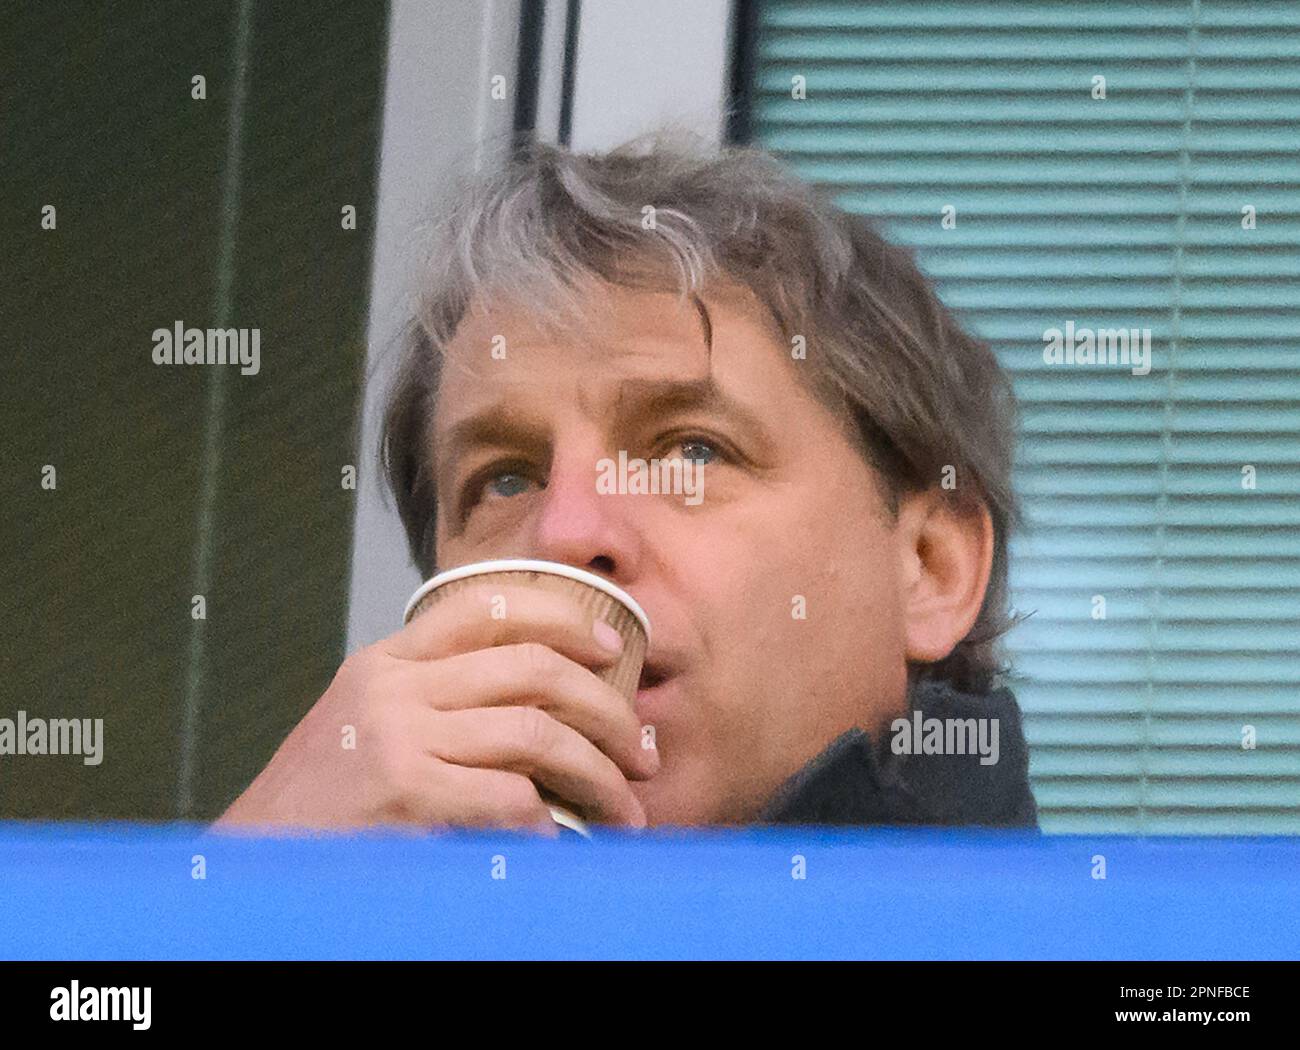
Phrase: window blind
[1159,668]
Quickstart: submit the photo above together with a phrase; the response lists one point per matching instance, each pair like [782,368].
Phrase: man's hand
[457,718]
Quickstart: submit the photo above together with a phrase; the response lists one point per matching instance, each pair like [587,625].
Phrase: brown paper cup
[587,590]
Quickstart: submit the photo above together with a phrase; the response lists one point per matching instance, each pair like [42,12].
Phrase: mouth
[652,675]
[658,692]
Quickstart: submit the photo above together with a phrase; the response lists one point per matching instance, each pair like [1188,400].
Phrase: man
[824,616]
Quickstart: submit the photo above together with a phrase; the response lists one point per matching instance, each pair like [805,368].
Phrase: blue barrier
[122,891]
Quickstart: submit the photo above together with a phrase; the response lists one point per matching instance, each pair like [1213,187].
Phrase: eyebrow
[638,400]
[494,425]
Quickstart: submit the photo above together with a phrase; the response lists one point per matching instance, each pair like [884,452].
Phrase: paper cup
[588,591]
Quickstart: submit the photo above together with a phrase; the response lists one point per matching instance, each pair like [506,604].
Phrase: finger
[551,754]
[503,613]
[440,794]
[533,675]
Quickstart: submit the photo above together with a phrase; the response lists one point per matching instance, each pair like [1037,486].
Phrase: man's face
[775,601]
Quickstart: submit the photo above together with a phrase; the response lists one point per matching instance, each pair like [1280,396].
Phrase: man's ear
[947,554]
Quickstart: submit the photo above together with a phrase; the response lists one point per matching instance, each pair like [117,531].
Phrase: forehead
[506,350]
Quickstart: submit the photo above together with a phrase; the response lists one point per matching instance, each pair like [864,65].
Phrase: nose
[580,526]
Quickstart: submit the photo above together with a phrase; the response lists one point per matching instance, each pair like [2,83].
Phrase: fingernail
[607,637]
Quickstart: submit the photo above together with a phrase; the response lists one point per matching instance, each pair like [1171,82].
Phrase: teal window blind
[1170,204]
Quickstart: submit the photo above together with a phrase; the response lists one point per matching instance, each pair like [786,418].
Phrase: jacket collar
[853,781]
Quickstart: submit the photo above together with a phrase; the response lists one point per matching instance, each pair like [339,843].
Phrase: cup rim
[554,568]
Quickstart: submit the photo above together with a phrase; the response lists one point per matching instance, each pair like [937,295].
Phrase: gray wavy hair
[882,349]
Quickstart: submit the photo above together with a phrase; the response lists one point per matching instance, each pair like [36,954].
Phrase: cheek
[832,609]
[806,602]
[824,616]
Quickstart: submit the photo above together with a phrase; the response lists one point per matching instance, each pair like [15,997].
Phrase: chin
[671,800]
[666,804]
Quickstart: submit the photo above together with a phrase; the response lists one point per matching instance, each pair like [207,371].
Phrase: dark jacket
[854,781]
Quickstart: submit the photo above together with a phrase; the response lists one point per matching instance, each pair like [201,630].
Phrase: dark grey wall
[98,575]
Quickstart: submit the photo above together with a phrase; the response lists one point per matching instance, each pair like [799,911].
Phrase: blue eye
[507,484]
[494,483]
[690,445]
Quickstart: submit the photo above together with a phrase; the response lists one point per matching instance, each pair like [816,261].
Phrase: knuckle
[517,798]
[359,682]
[348,678]
[538,662]
[534,730]
[359,666]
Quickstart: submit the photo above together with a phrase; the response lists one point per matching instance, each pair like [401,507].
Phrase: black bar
[532,17]
[1038,998]
[744,64]
[570,70]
